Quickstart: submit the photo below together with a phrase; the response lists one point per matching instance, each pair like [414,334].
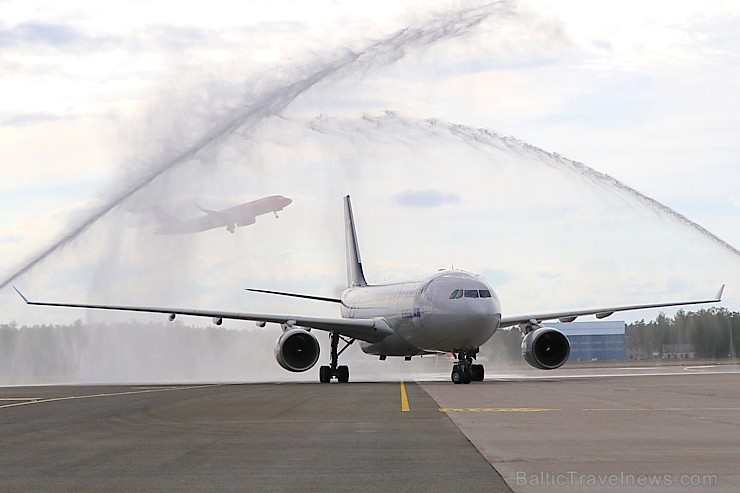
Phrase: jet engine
[545,348]
[297,350]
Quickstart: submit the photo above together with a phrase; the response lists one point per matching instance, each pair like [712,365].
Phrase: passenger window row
[470,293]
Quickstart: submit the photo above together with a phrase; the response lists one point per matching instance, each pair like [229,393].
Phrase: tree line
[713,333]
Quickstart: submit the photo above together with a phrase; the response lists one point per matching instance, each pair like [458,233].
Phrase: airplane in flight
[450,311]
[231,218]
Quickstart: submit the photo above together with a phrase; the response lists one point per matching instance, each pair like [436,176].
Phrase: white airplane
[231,218]
[450,311]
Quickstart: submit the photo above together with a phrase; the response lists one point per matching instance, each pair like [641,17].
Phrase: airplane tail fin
[355,276]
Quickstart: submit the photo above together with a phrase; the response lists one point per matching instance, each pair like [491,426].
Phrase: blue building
[594,340]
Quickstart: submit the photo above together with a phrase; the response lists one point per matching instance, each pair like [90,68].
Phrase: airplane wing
[170,225]
[217,214]
[364,329]
[231,217]
[571,315]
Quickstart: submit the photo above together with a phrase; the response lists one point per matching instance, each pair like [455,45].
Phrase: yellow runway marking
[404,399]
[666,409]
[15,399]
[544,409]
[497,410]
[90,396]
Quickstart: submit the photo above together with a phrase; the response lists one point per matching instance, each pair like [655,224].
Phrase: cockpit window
[470,293]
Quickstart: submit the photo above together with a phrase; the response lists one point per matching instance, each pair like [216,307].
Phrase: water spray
[383,52]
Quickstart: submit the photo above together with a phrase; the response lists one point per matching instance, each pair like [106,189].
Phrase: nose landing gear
[464,371]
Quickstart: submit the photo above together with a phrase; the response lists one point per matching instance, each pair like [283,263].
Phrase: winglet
[719,294]
[21,295]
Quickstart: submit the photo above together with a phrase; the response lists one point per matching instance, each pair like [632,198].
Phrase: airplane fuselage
[245,214]
[447,311]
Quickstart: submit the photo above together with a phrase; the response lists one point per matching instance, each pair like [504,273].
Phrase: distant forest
[714,333]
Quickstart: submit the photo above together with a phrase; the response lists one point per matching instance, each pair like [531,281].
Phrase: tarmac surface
[645,429]
[591,429]
[259,437]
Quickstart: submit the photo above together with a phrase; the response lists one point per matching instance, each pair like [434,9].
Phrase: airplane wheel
[478,373]
[457,375]
[343,374]
[324,374]
[466,375]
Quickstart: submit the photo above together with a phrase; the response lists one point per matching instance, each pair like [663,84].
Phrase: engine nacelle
[297,350]
[545,348]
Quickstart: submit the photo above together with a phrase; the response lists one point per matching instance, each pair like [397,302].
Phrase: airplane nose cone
[480,321]
[287,201]
[473,326]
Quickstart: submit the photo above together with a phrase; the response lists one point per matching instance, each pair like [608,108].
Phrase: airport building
[591,341]
[678,351]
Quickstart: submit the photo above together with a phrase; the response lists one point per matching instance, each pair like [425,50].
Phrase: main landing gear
[341,373]
[464,371]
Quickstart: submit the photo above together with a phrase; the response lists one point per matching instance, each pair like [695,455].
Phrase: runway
[577,430]
[264,437]
[664,428]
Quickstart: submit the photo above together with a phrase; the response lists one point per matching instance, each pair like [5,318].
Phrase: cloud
[34,34]
[22,119]
[11,238]
[177,38]
[426,198]
[735,200]
[497,277]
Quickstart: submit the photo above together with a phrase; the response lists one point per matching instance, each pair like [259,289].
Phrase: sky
[403,105]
